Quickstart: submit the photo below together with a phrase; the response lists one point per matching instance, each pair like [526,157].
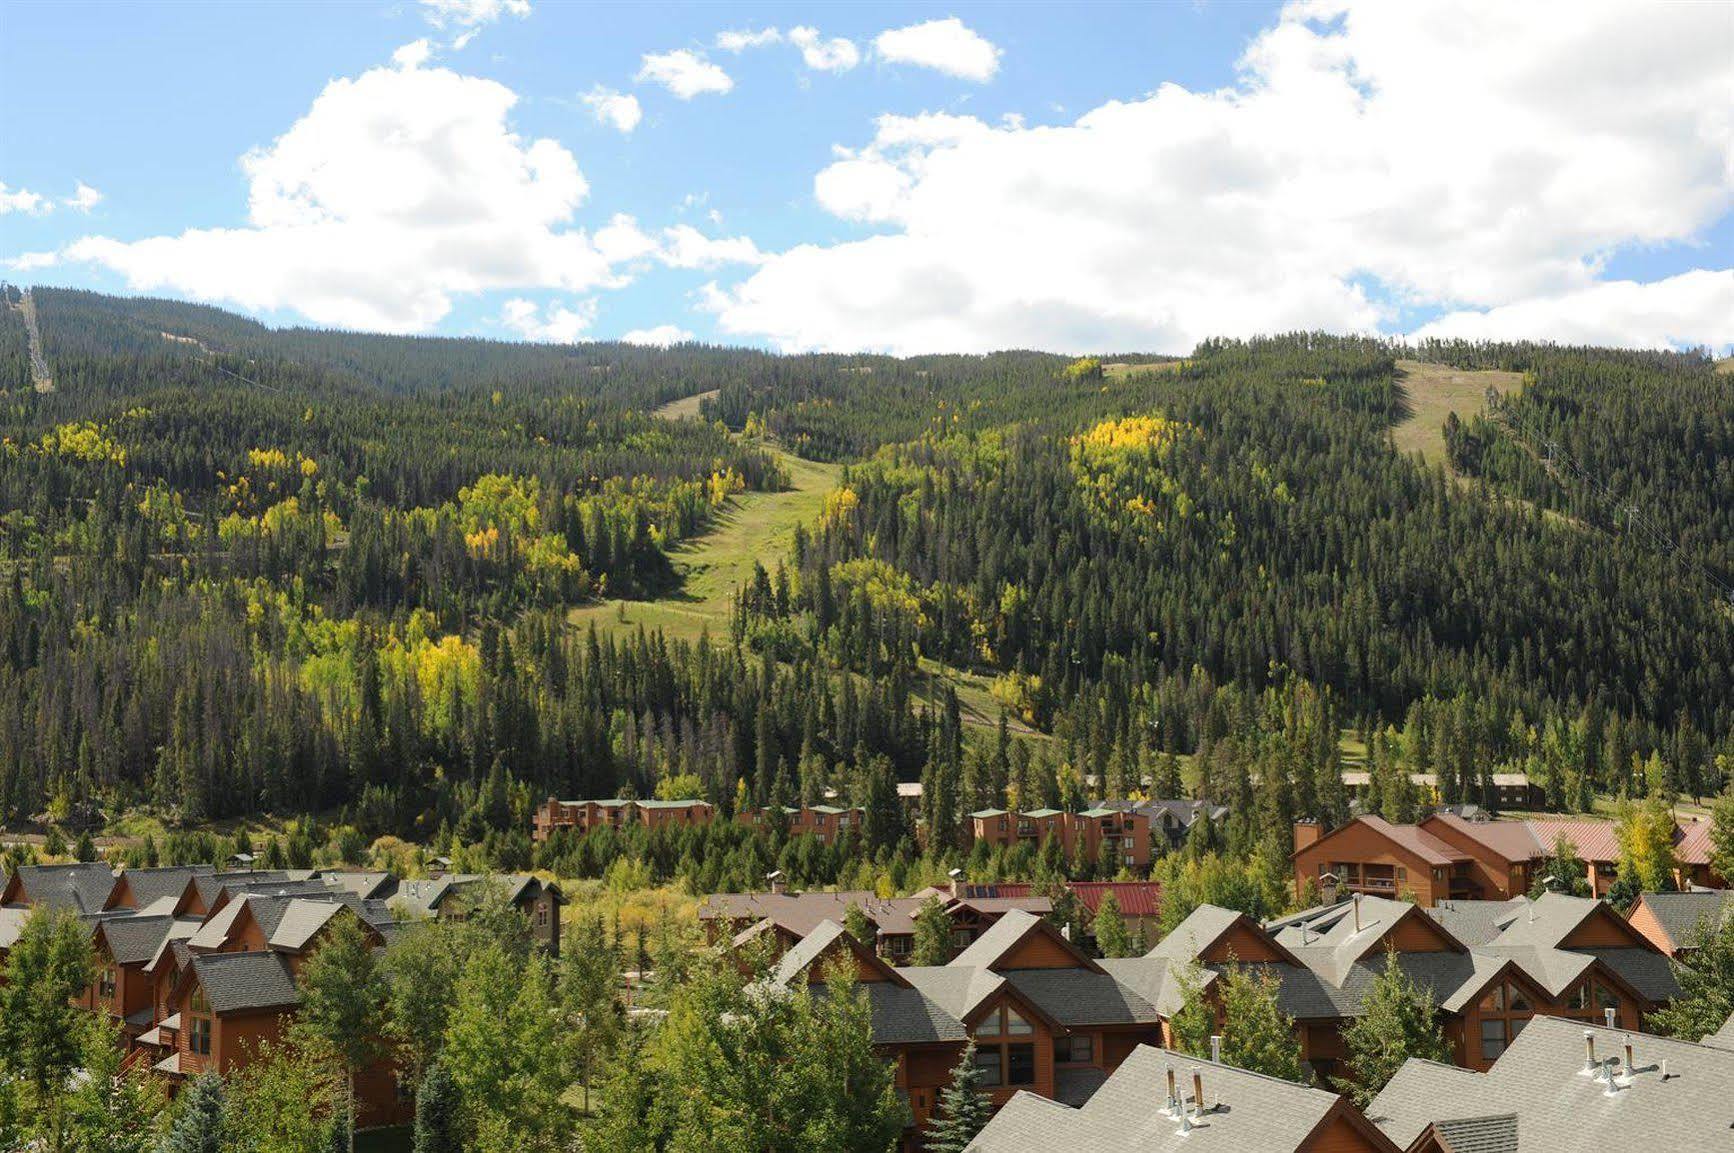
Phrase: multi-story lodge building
[586,816]
[1445,857]
[1122,835]
[826,824]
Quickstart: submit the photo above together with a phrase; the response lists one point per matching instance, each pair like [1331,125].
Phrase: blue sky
[1117,177]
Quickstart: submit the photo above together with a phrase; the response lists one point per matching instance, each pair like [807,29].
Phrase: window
[987,1065]
[105,985]
[1605,998]
[1579,998]
[541,914]
[1078,1049]
[1021,1064]
[990,1025]
[1492,1038]
[1016,1025]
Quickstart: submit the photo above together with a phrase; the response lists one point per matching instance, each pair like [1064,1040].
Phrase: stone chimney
[957,878]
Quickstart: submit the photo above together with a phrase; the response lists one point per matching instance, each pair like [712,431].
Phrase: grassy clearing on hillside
[1437,390]
[686,408]
[754,526]
[1114,371]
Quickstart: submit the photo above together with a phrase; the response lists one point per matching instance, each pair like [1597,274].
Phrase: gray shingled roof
[1479,1134]
[246,982]
[1477,922]
[904,1016]
[135,940]
[150,885]
[987,949]
[1680,914]
[82,888]
[1077,998]
[1723,1038]
[799,912]
[1247,1113]
[1561,1110]
[958,989]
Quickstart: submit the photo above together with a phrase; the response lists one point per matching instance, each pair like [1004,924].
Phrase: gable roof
[801,913]
[81,888]
[825,937]
[1204,927]
[1410,838]
[149,886]
[134,940]
[1540,1079]
[1478,1134]
[1680,914]
[1011,930]
[1512,841]
[244,982]
[1246,1113]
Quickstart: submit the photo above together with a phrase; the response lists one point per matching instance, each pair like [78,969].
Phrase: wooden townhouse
[1104,832]
[1045,1018]
[554,815]
[1445,857]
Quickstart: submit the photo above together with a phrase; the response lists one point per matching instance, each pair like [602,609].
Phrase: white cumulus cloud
[1690,309]
[1472,156]
[660,336]
[398,190]
[686,247]
[414,54]
[949,46]
[684,73]
[619,110]
[834,55]
[554,325]
[83,198]
[23,200]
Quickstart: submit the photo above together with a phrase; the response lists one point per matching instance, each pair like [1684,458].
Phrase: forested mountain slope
[257,570]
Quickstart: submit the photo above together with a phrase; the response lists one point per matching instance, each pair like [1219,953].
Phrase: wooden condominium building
[1121,834]
[587,816]
[1672,921]
[1448,858]
[199,967]
[1045,1018]
[826,824]
[1570,1087]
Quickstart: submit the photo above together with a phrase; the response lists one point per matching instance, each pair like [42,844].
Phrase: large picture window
[1002,1059]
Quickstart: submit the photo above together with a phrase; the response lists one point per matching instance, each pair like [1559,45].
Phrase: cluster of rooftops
[1496,970]
[227,944]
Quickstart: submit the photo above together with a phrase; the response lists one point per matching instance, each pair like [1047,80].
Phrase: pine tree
[1399,1021]
[1112,938]
[964,1109]
[436,1114]
[858,925]
[48,966]
[201,1123]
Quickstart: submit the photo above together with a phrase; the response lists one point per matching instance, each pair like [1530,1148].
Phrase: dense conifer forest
[251,571]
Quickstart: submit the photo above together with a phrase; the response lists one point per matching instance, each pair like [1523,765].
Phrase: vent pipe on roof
[1589,1051]
[1197,1092]
[1630,1067]
[1173,1108]
[1608,1077]
[1216,1048]
[1357,902]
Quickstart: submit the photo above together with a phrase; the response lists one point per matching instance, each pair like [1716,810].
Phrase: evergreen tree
[436,1114]
[1399,1021]
[858,925]
[200,1118]
[964,1109]
[1722,835]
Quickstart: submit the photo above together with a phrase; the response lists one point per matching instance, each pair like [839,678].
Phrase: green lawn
[396,1139]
